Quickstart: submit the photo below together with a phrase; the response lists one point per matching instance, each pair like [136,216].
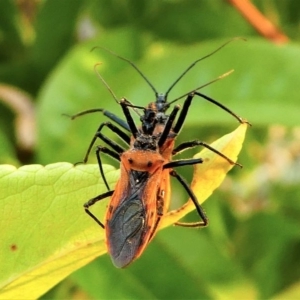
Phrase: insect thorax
[146,142]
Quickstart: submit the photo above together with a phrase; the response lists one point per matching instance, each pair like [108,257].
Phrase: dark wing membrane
[126,227]
[126,231]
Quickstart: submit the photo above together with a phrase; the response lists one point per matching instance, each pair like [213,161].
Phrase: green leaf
[150,277]
[210,174]
[273,241]
[259,90]
[49,16]
[180,263]
[164,19]
[11,45]
[47,234]
[83,90]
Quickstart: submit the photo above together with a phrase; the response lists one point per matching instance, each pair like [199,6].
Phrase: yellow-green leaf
[210,174]
[45,233]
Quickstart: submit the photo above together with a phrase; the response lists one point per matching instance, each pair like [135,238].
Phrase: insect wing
[127,226]
[126,229]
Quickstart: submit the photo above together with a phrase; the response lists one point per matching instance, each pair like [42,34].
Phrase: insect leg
[107,113]
[109,152]
[199,208]
[183,113]
[168,126]
[191,144]
[92,201]
[242,121]
[98,134]
[182,162]
[114,154]
[124,104]
[187,104]
[115,146]
[159,210]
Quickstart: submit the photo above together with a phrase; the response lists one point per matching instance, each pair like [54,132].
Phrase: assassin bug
[142,194]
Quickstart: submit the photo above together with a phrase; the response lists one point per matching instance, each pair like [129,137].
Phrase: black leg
[124,104]
[191,144]
[108,114]
[183,114]
[221,106]
[92,201]
[182,162]
[199,208]
[116,147]
[115,153]
[109,152]
[168,126]
[187,104]
[98,134]
[117,120]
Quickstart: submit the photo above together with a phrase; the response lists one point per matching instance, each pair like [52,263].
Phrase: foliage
[250,249]
[60,185]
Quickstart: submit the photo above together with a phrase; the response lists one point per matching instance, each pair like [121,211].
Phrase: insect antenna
[212,100]
[200,59]
[111,91]
[85,112]
[105,83]
[132,64]
[201,87]
[89,111]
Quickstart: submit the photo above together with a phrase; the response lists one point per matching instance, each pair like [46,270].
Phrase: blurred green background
[251,248]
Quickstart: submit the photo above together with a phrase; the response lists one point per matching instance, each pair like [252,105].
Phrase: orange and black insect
[142,194]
